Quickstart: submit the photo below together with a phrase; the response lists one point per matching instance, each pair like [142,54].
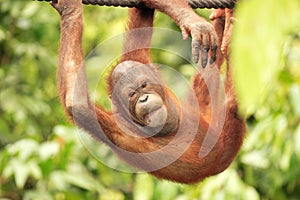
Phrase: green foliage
[41,156]
[266,32]
[28,43]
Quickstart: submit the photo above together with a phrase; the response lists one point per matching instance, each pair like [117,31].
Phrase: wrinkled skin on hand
[204,37]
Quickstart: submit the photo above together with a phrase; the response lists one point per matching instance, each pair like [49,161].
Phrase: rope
[140,4]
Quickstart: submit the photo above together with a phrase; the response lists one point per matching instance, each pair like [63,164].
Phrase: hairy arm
[72,81]
[70,63]
[204,38]
[138,35]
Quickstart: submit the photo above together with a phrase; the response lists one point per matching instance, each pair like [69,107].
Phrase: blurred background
[42,157]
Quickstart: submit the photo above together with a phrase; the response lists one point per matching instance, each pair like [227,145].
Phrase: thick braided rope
[140,4]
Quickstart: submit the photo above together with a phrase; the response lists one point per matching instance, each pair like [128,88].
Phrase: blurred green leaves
[261,30]
[144,187]
[41,156]
[22,166]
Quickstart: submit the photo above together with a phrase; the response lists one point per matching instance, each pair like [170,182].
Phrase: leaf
[57,180]
[257,46]
[48,149]
[256,159]
[78,176]
[65,132]
[112,195]
[227,185]
[23,149]
[21,173]
[166,190]
[297,141]
[30,9]
[295,98]
[143,188]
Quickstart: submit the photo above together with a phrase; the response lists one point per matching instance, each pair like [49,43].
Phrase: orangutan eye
[131,94]
[144,84]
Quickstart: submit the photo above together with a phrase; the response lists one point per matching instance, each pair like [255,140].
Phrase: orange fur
[187,167]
